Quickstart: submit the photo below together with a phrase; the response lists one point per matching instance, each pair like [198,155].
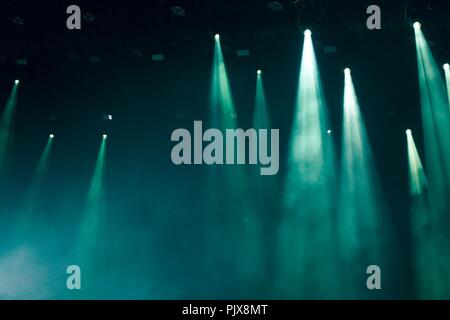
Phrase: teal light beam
[436,125]
[6,126]
[364,233]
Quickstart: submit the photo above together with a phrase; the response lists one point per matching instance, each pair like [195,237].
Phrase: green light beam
[417,179]
[223,110]
[431,258]
[307,250]
[89,245]
[261,116]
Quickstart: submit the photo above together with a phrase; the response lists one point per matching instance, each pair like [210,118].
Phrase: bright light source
[16,82]
[158,57]
[307,32]
[329,131]
[417,25]
[275,6]
[217,36]
[347,71]
[408,131]
[446,67]
[259,71]
[51,136]
[105,136]
[242,52]
[178,11]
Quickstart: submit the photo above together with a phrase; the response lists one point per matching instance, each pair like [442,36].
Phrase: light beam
[306,243]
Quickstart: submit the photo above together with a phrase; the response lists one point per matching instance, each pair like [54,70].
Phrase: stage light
[95,59]
[362,218]
[105,136]
[16,81]
[93,215]
[217,36]
[347,71]
[308,190]
[329,131]
[90,17]
[417,25]
[446,67]
[242,52]
[6,125]
[22,62]
[51,136]
[19,21]
[431,267]
[275,6]
[221,96]
[435,114]
[177,11]
[408,131]
[260,116]
[30,202]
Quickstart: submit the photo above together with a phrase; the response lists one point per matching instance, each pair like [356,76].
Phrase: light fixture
[178,11]
[275,6]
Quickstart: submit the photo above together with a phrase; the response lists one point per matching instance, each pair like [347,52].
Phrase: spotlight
[408,131]
[329,131]
[417,25]
[22,61]
[307,33]
[446,67]
[275,6]
[16,82]
[95,59]
[217,36]
[178,11]
[347,71]
[259,71]
[51,136]
[18,21]
[89,17]
[105,136]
